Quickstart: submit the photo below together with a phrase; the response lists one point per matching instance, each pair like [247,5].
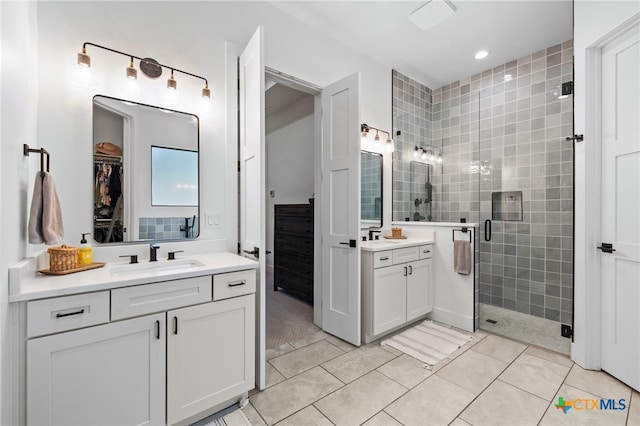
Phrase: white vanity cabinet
[210,355]
[109,374]
[397,288]
[158,353]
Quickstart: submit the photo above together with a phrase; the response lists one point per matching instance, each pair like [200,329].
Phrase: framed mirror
[370,188]
[145,171]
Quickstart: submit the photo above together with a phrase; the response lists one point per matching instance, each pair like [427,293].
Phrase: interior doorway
[290,135]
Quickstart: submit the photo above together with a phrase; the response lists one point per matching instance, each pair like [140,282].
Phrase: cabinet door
[389,298]
[419,289]
[210,355]
[112,374]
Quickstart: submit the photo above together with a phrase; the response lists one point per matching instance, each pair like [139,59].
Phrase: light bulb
[415,153]
[388,146]
[206,92]
[172,83]
[132,72]
[83,58]
[376,140]
[424,155]
[364,138]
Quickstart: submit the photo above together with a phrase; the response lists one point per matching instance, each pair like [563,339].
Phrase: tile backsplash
[165,228]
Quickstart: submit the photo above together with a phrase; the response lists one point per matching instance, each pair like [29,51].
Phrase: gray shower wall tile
[499,135]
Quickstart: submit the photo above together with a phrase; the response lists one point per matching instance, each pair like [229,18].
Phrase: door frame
[586,347]
[316,91]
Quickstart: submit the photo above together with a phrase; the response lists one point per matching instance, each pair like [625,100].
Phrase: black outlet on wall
[566,331]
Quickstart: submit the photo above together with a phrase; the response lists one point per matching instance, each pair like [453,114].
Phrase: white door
[620,280]
[341,209]
[112,374]
[253,179]
[210,359]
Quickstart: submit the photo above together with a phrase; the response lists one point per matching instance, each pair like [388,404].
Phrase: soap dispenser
[85,252]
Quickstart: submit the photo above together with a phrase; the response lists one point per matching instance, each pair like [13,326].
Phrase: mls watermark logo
[586,404]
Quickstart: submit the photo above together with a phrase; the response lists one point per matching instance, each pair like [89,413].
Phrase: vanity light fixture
[149,67]
[428,154]
[365,129]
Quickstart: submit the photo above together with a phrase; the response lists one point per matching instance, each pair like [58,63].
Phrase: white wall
[290,166]
[593,20]
[18,89]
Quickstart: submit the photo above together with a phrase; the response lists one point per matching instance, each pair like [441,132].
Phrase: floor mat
[428,342]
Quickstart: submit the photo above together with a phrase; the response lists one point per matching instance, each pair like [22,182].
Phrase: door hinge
[238,252]
[238,166]
[566,331]
[575,138]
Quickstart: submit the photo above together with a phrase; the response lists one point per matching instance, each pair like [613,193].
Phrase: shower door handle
[487,230]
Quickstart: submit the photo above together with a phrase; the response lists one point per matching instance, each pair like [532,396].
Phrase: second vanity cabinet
[397,288]
[157,353]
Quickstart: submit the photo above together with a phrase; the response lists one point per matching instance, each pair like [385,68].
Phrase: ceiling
[509,29]
[278,97]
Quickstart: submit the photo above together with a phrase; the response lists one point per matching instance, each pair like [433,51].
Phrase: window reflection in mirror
[370,188]
[174,177]
[123,205]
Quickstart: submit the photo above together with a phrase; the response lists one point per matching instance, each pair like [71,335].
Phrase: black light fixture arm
[87,43]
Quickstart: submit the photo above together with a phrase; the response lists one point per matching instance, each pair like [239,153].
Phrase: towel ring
[465,230]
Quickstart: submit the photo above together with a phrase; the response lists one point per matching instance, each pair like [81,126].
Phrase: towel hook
[26,151]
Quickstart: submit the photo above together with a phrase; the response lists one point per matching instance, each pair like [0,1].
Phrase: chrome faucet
[153,252]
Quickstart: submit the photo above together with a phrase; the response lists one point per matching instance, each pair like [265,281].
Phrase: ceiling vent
[432,13]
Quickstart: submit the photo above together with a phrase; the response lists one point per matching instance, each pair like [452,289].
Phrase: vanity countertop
[391,244]
[26,284]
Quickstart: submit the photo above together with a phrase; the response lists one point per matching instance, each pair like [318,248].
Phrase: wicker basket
[63,258]
[396,232]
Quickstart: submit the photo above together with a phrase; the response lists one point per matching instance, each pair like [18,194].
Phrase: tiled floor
[321,380]
[525,328]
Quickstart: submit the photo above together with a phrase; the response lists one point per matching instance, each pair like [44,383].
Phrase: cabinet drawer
[408,254]
[426,251]
[382,258]
[144,299]
[67,313]
[234,284]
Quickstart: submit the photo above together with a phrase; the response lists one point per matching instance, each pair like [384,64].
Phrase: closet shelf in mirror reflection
[149,67]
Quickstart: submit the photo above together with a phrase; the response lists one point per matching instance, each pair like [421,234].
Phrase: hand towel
[45,218]
[462,257]
[35,215]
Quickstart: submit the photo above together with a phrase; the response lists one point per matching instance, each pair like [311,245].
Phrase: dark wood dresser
[293,249]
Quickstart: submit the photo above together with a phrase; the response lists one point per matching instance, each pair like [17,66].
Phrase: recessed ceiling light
[482,54]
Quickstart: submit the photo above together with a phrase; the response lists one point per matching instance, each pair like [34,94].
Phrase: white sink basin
[156,268]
